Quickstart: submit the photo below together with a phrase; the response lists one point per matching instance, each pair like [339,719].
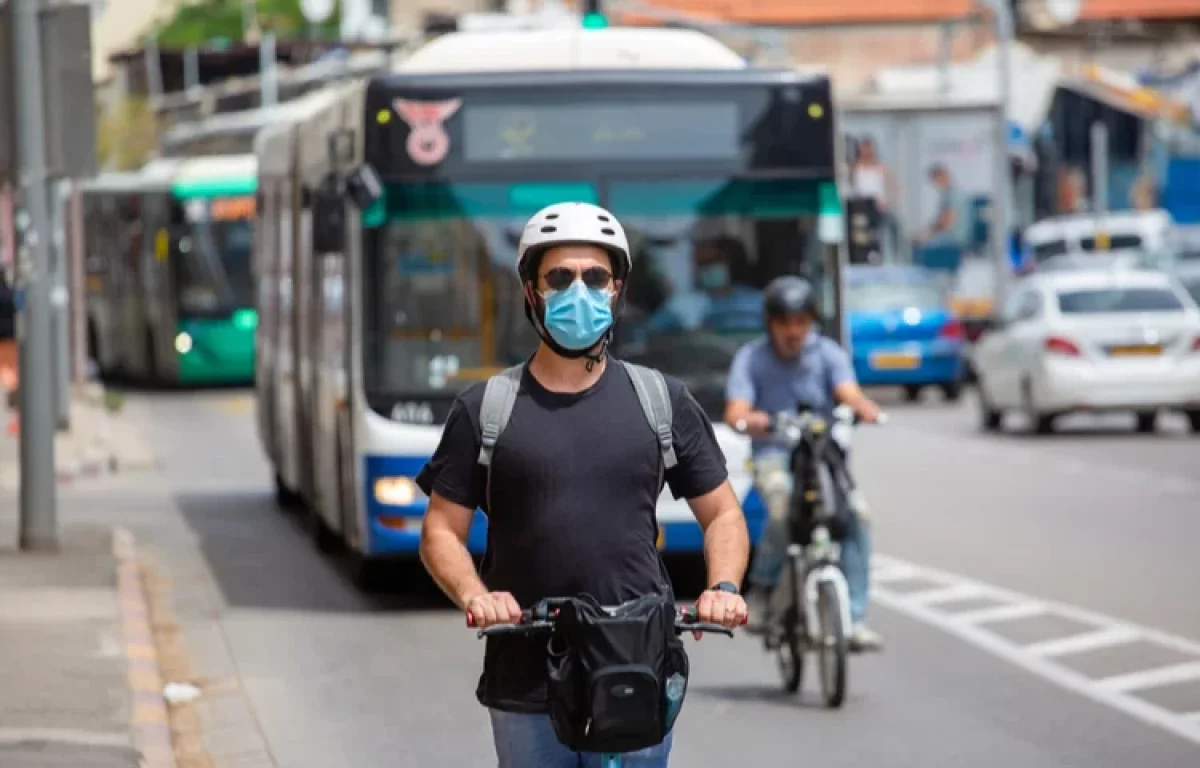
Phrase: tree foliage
[201,22]
[126,135]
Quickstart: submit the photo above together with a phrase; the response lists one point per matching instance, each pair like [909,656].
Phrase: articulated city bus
[723,175]
[168,254]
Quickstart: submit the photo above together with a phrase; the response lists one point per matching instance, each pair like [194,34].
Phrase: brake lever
[705,627]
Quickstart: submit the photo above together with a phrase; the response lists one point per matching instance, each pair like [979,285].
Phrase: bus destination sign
[695,131]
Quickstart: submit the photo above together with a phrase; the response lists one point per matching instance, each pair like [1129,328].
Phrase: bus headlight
[183,343]
[397,491]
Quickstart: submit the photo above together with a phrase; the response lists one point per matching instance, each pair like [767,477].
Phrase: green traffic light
[594,21]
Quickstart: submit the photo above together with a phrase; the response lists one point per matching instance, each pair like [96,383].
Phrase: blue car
[903,332]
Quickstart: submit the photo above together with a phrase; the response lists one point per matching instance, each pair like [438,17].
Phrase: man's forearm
[449,563]
[727,547]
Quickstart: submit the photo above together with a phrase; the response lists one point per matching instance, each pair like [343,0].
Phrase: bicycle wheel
[831,653]
[790,653]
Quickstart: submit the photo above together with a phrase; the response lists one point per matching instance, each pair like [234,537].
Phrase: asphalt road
[1098,519]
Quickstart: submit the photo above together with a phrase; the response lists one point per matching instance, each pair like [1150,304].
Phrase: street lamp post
[1002,184]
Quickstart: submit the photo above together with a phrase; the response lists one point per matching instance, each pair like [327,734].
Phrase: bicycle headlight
[397,491]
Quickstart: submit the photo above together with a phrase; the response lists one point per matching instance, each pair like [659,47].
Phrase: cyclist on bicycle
[794,363]
[572,492]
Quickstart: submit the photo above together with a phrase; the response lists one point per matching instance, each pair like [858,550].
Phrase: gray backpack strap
[499,397]
[655,400]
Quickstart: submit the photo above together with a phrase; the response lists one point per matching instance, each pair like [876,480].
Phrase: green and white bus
[169,285]
[724,176]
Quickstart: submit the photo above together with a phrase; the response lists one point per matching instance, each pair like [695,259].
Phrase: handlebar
[802,421]
[541,619]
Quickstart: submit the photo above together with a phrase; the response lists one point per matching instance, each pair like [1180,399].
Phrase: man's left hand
[724,608]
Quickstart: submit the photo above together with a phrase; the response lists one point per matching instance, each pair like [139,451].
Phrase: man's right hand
[489,608]
[758,424]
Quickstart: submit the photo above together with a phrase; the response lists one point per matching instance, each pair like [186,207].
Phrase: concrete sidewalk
[99,442]
[65,697]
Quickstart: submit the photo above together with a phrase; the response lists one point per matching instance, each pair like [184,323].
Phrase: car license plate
[895,360]
[1135,350]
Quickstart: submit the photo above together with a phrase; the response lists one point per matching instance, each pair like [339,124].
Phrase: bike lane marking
[1046,658]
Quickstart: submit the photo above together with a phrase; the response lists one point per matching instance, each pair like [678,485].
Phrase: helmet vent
[551,216]
[550,228]
[602,217]
[609,231]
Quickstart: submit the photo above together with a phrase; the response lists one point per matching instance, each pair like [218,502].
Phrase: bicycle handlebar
[538,620]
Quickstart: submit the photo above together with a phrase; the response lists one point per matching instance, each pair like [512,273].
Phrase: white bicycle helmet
[564,223]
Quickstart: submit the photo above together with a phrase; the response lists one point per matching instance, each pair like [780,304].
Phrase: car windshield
[885,296]
[1108,300]
[444,306]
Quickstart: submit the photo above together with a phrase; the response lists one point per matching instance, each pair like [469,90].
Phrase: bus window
[214,267]
[705,250]
[443,305]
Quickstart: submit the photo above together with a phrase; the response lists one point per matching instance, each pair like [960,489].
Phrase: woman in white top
[870,178]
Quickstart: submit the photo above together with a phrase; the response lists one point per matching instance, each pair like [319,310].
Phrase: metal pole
[191,70]
[1002,184]
[267,70]
[1100,167]
[77,300]
[38,523]
[153,64]
[58,301]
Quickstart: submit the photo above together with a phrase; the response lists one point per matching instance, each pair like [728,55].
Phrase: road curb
[149,725]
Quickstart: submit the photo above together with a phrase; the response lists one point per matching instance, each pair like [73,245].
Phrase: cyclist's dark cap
[789,295]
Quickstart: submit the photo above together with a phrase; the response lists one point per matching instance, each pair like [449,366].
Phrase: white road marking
[1088,641]
[894,573]
[1001,613]
[1039,658]
[946,594]
[1152,678]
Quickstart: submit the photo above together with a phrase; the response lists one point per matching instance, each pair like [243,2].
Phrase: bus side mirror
[328,220]
[364,187]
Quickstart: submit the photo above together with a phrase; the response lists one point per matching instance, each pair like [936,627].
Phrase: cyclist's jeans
[774,484]
[528,741]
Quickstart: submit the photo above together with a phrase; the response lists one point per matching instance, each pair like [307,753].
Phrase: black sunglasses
[560,278]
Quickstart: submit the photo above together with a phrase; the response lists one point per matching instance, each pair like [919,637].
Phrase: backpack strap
[499,397]
[652,394]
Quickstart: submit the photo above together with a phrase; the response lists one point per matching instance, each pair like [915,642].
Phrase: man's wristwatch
[725,586]
[740,426]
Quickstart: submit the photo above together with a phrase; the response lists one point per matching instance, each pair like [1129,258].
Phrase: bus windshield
[444,305]
[214,267]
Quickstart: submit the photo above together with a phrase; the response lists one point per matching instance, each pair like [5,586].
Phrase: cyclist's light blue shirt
[773,385]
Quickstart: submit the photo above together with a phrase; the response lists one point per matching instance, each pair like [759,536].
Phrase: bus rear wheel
[285,497]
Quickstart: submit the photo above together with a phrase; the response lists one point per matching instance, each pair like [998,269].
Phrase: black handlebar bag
[609,671]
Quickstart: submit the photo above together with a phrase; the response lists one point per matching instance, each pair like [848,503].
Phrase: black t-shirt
[574,491]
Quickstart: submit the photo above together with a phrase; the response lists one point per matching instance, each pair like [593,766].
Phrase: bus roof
[270,146]
[573,48]
[115,182]
[247,121]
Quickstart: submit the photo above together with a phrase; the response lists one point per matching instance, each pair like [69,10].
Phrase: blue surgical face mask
[578,316]
[713,277]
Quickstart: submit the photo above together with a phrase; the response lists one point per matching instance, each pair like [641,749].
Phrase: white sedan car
[1094,340]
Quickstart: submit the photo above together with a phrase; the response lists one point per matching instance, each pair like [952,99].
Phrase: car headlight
[397,491]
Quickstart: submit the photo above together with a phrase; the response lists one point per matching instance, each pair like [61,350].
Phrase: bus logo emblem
[427,142]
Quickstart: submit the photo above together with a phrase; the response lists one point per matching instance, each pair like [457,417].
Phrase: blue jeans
[528,741]
[773,480]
